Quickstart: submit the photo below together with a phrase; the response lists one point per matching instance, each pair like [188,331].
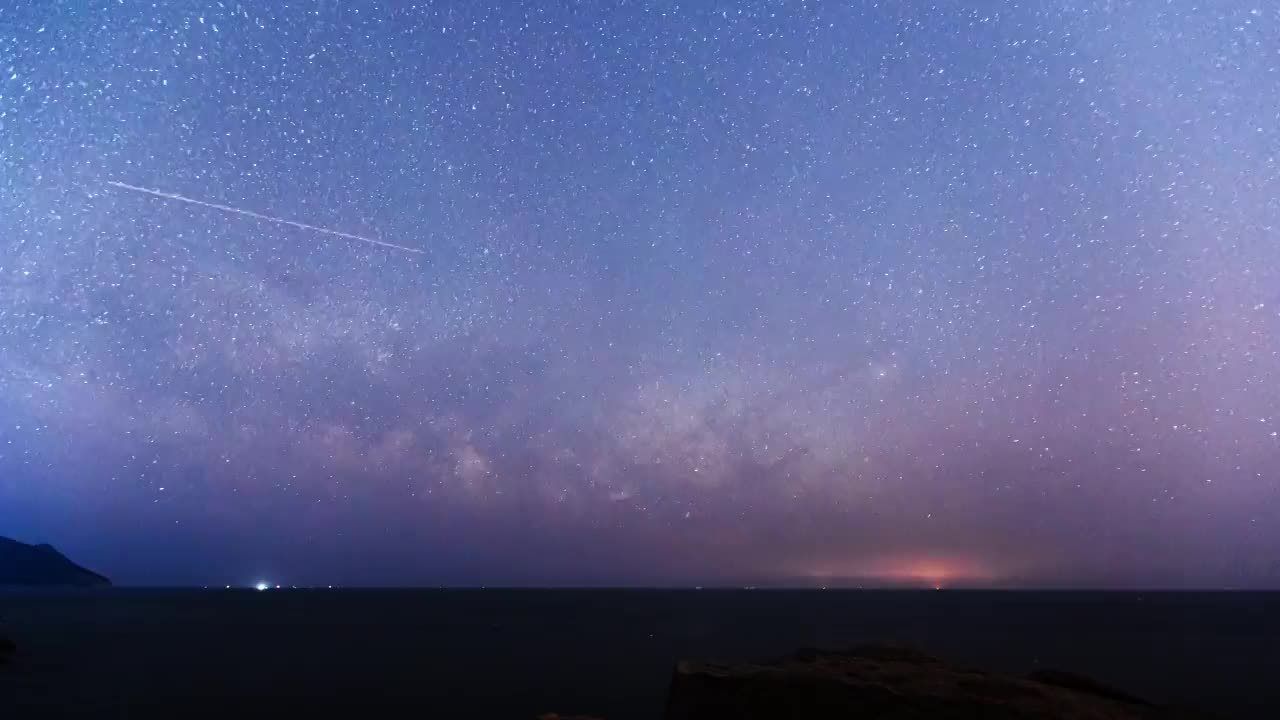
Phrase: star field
[710,292]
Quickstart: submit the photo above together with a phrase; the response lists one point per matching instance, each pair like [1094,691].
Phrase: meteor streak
[260,216]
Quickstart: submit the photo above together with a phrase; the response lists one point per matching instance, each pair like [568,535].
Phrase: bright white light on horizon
[262,586]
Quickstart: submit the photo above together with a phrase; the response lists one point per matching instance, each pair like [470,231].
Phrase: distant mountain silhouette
[34,565]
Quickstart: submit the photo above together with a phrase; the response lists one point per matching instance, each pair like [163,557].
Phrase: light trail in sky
[260,216]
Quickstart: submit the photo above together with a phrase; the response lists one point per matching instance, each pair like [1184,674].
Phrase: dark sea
[518,653]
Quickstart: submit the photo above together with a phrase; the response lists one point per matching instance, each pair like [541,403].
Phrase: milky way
[710,292]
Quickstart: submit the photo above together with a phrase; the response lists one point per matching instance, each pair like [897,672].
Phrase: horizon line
[223,587]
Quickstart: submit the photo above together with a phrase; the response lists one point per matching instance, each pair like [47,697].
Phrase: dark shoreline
[489,652]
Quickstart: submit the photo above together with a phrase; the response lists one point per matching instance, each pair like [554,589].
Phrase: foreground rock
[885,682]
[42,565]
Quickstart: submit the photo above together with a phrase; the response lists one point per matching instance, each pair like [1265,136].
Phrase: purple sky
[943,293]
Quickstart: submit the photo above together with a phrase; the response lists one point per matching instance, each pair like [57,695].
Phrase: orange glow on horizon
[924,570]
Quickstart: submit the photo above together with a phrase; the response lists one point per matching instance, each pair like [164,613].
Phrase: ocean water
[518,653]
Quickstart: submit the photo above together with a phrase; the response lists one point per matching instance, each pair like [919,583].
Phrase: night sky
[936,293]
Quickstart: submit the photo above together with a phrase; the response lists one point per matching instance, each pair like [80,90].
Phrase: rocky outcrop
[876,682]
[42,565]
[1083,683]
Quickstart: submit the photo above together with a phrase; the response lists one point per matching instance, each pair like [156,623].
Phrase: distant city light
[262,586]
